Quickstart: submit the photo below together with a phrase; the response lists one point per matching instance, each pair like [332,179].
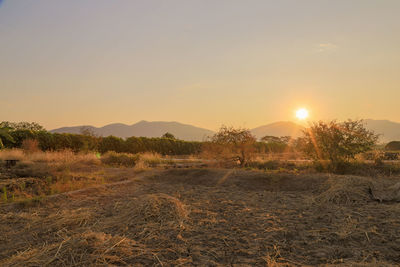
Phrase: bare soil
[207,217]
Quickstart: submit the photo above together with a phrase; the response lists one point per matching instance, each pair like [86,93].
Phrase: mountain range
[388,130]
[144,128]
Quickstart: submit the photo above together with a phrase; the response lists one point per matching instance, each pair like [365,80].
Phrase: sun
[302,114]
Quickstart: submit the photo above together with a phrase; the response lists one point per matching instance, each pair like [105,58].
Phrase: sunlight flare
[302,114]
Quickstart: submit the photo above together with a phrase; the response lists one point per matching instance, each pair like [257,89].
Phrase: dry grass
[186,217]
[346,190]
[45,173]
[17,154]
[61,157]
[150,211]
[119,159]
[160,208]
[86,249]
[141,166]
[151,158]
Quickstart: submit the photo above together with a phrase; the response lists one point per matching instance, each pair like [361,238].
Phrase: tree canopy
[238,142]
[337,141]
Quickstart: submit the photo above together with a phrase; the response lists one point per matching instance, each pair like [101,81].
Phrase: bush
[150,158]
[30,145]
[231,143]
[12,135]
[394,145]
[337,142]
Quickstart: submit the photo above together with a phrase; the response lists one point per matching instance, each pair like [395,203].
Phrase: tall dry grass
[139,162]
[41,173]
[151,158]
[65,156]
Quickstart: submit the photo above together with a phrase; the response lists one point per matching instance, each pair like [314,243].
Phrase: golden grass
[346,190]
[119,159]
[160,208]
[85,249]
[156,222]
[17,154]
[65,156]
[150,158]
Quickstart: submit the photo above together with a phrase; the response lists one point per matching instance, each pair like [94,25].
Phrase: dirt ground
[207,217]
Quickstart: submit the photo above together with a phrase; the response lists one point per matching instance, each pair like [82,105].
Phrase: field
[201,217]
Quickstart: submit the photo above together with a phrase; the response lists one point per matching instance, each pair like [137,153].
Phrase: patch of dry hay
[86,249]
[346,190]
[159,208]
[147,216]
[385,192]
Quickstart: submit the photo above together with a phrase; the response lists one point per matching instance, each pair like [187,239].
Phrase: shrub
[229,142]
[111,143]
[337,142]
[30,145]
[150,158]
[168,135]
[394,145]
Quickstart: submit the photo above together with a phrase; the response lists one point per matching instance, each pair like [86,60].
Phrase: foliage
[394,145]
[30,145]
[5,137]
[168,135]
[274,144]
[13,135]
[111,143]
[275,139]
[238,143]
[337,142]
[164,146]
[86,130]
[32,126]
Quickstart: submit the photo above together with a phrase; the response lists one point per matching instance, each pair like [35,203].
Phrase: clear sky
[206,63]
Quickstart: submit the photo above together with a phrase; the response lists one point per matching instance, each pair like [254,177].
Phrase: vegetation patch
[119,159]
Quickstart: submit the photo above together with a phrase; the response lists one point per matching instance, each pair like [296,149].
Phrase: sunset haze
[206,63]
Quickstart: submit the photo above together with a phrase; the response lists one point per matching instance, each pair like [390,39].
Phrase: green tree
[111,143]
[394,145]
[168,135]
[274,139]
[5,137]
[32,126]
[337,142]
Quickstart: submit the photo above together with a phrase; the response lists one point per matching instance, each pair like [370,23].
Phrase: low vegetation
[337,142]
[15,135]
[151,201]
[207,217]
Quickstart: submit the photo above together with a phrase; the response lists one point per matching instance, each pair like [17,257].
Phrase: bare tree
[234,143]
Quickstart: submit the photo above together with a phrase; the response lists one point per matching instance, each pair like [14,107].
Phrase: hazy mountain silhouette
[144,128]
[280,128]
[389,130]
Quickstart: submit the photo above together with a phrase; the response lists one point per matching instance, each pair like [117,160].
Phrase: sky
[205,63]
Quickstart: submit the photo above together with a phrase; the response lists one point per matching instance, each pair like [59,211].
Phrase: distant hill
[281,128]
[144,128]
[389,130]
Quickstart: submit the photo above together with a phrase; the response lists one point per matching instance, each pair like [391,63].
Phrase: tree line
[334,141]
[13,135]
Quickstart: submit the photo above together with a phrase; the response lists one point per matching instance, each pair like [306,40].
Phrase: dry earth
[207,217]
